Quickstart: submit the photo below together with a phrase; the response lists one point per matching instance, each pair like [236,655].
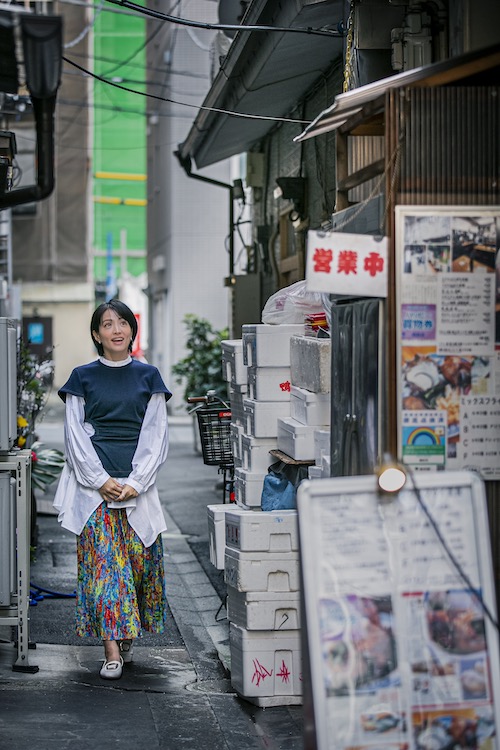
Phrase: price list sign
[448,340]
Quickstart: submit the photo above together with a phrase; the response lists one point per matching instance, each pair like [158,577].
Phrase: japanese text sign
[351,264]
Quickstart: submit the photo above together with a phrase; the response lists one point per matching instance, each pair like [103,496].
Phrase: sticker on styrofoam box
[265,663]
[217,533]
[268,345]
[310,363]
[261,571]
[263,610]
[261,416]
[269,383]
[321,445]
[273,531]
[296,439]
[308,407]
[248,486]
[255,454]
[233,368]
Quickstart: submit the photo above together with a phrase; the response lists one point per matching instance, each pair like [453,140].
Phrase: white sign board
[448,337]
[403,646]
[350,264]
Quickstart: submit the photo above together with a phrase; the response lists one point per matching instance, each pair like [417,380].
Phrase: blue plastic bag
[278,493]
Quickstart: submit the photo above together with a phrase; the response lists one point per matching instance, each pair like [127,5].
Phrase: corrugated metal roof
[349,104]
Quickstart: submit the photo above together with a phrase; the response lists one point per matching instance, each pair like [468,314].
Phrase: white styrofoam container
[217,533]
[261,571]
[321,445]
[248,487]
[263,610]
[233,368]
[308,407]
[269,383]
[267,345]
[236,395]
[235,437]
[326,466]
[272,531]
[255,454]
[310,363]
[314,472]
[296,439]
[261,417]
[265,663]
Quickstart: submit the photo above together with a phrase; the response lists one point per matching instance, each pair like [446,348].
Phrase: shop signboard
[401,622]
[448,337]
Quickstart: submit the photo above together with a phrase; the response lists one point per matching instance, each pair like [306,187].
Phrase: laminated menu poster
[448,322]
[400,611]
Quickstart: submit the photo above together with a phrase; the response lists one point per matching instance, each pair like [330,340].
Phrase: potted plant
[201,369]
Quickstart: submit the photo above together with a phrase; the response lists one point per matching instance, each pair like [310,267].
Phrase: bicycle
[214,422]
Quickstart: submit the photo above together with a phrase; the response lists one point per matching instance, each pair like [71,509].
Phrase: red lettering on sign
[374,264]
[322,260]
[348,262]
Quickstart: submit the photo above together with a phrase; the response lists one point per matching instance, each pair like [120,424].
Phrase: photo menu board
[403,646]
[448,337]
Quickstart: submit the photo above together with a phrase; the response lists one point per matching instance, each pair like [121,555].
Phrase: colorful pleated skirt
[121,583]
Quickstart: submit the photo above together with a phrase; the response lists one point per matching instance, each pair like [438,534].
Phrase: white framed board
[403,648]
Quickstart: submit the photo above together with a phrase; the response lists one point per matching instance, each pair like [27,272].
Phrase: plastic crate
[214,422]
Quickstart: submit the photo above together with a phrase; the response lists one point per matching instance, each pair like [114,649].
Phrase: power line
[185,104]
[338,32]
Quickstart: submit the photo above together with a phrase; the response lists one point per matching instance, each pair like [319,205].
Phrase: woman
[116,439]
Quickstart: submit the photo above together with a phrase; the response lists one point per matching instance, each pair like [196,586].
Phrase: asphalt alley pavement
[177,693]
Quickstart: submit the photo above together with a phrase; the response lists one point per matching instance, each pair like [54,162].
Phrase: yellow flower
[21,422]
[21,441]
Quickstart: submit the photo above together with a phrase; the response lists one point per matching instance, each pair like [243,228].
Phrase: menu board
[448,323]
[403,646]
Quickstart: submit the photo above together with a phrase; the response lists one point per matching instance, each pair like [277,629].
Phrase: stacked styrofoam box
[235,436]
[309,398]
[263,604]
[322,453]
[266,354]
[233,366]
[217,533]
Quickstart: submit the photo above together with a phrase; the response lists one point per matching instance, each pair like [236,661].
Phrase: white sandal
[112,670]
[126,649]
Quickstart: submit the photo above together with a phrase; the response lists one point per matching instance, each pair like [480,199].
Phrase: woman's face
[115,335]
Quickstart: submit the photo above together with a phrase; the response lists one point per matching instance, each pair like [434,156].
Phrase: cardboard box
[266,663]
[272,531]
[268,346]
[261,571]
[263,610]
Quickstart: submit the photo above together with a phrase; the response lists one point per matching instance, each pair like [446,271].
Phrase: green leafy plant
[46,465]
[201,368]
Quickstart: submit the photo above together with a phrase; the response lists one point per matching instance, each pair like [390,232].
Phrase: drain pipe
[185,163]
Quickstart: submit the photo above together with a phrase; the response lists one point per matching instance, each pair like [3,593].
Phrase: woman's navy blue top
[116,399]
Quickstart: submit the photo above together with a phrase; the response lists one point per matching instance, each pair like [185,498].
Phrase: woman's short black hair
[122,310]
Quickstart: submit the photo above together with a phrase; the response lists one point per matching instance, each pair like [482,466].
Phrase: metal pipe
[185,162]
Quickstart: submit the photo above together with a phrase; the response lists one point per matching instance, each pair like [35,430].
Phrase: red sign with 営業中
[352,264]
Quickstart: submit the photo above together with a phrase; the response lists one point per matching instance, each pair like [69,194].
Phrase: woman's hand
[111,490]
[127,493]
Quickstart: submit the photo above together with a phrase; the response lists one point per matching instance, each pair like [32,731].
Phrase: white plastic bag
[291,304]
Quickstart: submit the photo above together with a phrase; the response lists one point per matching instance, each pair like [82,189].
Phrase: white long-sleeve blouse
[77,494]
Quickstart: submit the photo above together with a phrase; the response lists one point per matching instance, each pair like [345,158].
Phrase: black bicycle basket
[214,422]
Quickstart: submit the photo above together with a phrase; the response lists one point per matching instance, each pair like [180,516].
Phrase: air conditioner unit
[8,384]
